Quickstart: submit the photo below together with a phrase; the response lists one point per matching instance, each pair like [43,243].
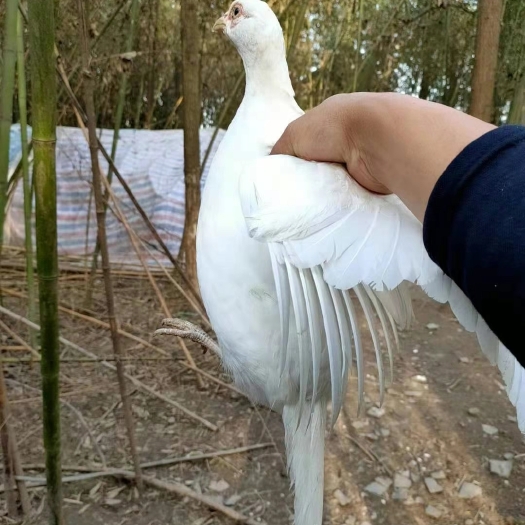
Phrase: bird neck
[267,71]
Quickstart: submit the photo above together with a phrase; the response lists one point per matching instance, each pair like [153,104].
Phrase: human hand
[389,143]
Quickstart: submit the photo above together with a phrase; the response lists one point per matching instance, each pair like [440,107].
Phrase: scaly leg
[188,330]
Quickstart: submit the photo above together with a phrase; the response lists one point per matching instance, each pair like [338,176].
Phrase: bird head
[251,25]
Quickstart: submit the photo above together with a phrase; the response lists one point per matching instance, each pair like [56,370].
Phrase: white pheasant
[281,242]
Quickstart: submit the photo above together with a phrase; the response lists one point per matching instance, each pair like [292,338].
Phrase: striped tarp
[151,163]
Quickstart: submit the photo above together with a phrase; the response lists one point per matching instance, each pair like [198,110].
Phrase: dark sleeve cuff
[474,229]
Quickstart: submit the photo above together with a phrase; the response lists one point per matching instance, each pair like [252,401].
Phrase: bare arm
[389,143]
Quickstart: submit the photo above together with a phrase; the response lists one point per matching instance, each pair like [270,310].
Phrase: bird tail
[305,453]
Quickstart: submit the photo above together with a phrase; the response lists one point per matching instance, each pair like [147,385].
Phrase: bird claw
[187,330]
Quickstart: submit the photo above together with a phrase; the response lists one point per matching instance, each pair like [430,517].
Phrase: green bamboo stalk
[297,27]
[118,121]
[358,50]
[28,201]
[134,17]
[6,103]
[43,88]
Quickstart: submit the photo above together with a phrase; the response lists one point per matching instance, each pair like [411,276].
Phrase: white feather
[280,244]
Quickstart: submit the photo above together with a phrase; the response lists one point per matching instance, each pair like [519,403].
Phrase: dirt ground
[444,391]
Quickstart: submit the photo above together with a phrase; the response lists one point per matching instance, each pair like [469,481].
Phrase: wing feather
[333,236]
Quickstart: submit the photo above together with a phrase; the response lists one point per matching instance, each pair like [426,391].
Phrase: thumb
[285,145]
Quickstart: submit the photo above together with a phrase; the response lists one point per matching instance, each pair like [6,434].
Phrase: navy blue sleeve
[474,229]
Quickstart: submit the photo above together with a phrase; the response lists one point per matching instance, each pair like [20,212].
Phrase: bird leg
[187,330]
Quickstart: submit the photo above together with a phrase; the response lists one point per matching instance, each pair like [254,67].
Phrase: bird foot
[187,330]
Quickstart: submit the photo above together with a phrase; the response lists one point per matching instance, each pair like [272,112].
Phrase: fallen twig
[134,380]
[75,411]
[163,462]
[171,487]
[131,337]
[17,338]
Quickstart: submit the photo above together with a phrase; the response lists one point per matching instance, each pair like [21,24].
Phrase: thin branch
[188,458]
[134,380]
[171,487]
[102,237]
[77,413]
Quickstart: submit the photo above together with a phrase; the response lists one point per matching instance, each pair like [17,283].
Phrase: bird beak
[220,25]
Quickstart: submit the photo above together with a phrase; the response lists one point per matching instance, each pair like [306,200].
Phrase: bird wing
[327,235]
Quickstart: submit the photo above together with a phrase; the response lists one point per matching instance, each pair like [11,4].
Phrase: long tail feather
[305,453]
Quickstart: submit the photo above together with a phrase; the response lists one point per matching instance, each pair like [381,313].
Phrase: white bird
[282,241]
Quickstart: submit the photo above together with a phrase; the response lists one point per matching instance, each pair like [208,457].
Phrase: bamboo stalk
[6,103]
[116,132]
[358,49]
[102,238]
[5,441]
[128,191]
[297,27]
[28,201]
[134,241]
[192,117]
[43,84]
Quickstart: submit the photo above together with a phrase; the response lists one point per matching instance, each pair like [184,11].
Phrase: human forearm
[389,142]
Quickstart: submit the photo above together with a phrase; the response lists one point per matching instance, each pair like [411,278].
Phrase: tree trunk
[43,87]
[191,86]
[486,60]
[517,107]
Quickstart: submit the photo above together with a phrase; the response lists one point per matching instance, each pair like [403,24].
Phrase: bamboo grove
[422,47]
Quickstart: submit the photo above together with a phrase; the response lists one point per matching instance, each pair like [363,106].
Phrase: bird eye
[236,11]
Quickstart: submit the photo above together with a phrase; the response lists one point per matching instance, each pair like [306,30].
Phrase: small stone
[233,500]
[342,498]
[415,477]
[433,486]
[420,379]
[351,520]
[385,432]
[401,481]
[433,512]
[508,455]
[464,360]
[512,419]
[469,490]
[371,437]
[400,494]
[219,486]
[501,468]
[439,474]
[360,424]
[432,326]
[376,412]
[379,486]
[489,430]
[112,502]
[469,522]
[413,393]
[414,501]
[474,411]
